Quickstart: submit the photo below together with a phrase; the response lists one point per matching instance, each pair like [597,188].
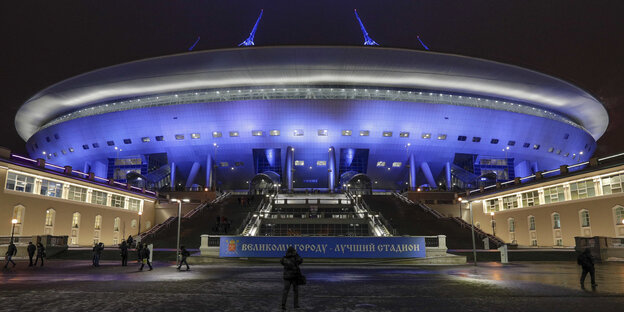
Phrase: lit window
[404,134]
[584,218]
[511,143]
[462,138]
[494,141]
[364,132]
[238,164]
[558,152]
[77,193]
[556,221]
[322,132]
[321,163]
[98,222]
[85,146]
[299,163]
[233,133]
[274,133]
[476,139]
[566,154]
[21,183]
[381,164]
[224,164]
[257,132]
[387,134]
[71,149]
[531,223]
[346,132]
[160,138]
[512,225]
[619,215]
[134,204]
[145,139]
[110,143]
[441,136]
[298,132]
[550,150]
[51,188]
[179,136]
[396,164]
[127,141]
[215,134]
[98,197]
[64,152]
[536,146]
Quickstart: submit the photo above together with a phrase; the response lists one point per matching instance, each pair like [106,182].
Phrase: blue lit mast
[367,39]
[194,44]
[250,40]
[423,44]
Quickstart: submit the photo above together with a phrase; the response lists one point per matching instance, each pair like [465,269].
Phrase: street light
[459,200]
[140,214]
[14,221]
[474,246]
[186,200]
[493,224]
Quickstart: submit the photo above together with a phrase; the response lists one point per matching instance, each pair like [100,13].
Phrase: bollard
[503,253]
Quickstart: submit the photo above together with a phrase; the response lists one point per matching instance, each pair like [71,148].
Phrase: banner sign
[322,247]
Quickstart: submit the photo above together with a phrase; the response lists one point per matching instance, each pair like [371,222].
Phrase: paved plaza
[72,285]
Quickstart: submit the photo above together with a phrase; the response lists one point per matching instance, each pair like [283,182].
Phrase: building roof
[313,65]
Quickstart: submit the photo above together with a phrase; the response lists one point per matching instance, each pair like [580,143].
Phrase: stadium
[312,118]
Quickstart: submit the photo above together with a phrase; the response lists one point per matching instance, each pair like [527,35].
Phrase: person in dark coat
[31,252]
[98,254]
[124,253]
[94,253]
[586,261]
[11,251]
[185,254]
[291,262]
[130,241]
[139,250]
[145,255]
[40,253]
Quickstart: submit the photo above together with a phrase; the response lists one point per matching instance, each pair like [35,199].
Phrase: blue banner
[322,247]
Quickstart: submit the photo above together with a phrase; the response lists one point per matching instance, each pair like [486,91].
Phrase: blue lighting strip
[194,44]
[250,40]
[367,39]
[423,44]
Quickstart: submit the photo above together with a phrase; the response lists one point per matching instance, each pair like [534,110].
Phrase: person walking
[184,253]
[124,253]
[94,253]
[98,254]
[31,252]
[145,256]
[11,251]
[586,261]
[40,253]
[130,241]
[291,262]
[139,251]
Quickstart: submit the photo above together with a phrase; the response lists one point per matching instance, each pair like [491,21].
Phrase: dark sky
[44,42]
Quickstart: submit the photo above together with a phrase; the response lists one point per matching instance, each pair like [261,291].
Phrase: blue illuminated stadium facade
[312,116]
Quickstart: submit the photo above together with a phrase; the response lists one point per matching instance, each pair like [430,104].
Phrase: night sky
[44,42]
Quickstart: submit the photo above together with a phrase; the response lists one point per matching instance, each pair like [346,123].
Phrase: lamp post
[474,245]
[493,224]
[179,220]
[140,214]
[459,200]
[14,222]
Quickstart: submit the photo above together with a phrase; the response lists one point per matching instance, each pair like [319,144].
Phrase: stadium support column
[447,168]
[412,173]
[209,172]
[424,166]
[290,153]
[173,174]
[193,174]
[331,169]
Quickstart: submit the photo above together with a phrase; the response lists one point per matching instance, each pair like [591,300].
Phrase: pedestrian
[291,262]
[31,252]
[145,255]
[94,255]
[98,253]
[184,253]
[11,251]
[40,253]
[124,253]
[130,241]
[586,261]
[139,251]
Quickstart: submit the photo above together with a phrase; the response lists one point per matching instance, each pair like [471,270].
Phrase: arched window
[584,215]
[133,223]
[76,220]
[49,222]
[18,213]
[98,222]
[116,226]
[148,225]
[512,225]
[531,223]
[556,221]
[619,215]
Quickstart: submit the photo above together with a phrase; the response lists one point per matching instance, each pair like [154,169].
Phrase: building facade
[49,200]
[553,212]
